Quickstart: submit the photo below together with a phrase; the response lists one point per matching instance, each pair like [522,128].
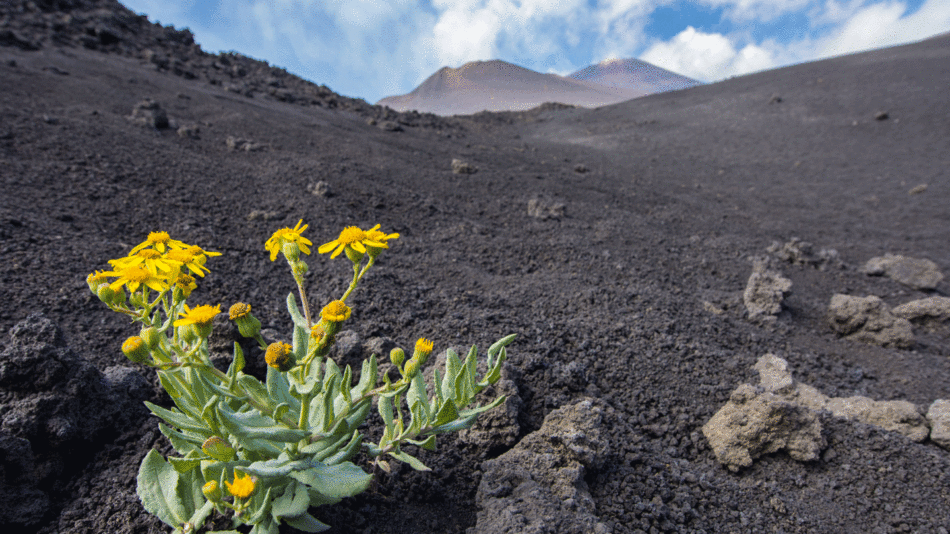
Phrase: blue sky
[375,48]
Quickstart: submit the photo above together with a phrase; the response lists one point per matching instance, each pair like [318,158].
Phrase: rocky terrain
[730,299]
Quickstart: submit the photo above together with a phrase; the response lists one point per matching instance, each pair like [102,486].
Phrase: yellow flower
[95,279]
[239,310]
[336,312]
[199,315]
[317,332]
[150,259]
[423,346]
[278,356]
[351,237]
[160,241]
[242,488]
[186,283]
[288,235]
[135,276]
[373,235]
[135,349]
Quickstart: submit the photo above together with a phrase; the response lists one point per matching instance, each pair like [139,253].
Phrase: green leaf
[179,420]
[202,513]
[498,346]
[306,523]
[346,452]
[183,465]
[409,459]
[295,314]
[237,364]
[416,395]
[386,411]
[254,425]
[278,389]
[335,481]
[452,368]
[428,444]
[157,488]
[183,443]
[447,413]
[368,377]
[293,502]
[301,342]
[345,384]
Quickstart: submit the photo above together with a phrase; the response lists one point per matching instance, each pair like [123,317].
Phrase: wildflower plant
[264,453]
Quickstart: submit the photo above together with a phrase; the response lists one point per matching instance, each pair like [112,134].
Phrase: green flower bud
[397,356]
[299,267]
[218,448]
[354,255]
[135,349]
[105,293]
[151,336]
[212,491]
[291,251]
[412,367]
[247,324]
[188,333]
[279,356]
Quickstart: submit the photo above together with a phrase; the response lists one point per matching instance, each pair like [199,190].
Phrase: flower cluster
[266,450]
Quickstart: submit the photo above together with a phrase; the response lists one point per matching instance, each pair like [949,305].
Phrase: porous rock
[939,417]
[896,416]
[538,486]
[764,293]
[463,167]
[58,409]
[931,311]
[868,320]
[798,252]
[756,422]
[917,273]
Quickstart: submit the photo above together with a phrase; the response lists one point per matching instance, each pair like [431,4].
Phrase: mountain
[635,75]
[501,86]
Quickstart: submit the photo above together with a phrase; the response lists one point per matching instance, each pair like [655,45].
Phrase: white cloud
[757,10]
[707,56]
[884,24]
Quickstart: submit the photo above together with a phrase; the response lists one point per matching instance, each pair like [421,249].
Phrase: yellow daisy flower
[336,312]
[243,487]
[135,276]
[288,235]
[186,283]
[193,258]
[351,237]
[199,315]
[373,234]
[150,259]
[159,241]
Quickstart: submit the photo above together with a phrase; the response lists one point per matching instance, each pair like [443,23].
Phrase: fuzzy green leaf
[157,488]
[183,465]
[335,481]
[293,502]
[295,314]
[306,523]
[182,442]
[253,425]
[409,459]
[447,413]
[427,444]
[368,377]
[346,452]
[179,420]
[237,364]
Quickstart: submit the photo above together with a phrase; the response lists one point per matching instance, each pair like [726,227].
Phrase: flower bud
[279,356]
[151,336]
[105,293]
[412,367]
[248,325]
[187,333]
[291,251]
[354,255]
[397,356]
[299,267]
[212,491]
[218,448]
[135,349]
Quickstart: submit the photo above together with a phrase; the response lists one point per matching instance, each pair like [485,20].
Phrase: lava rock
[869,320]
[917,273]
[764,293]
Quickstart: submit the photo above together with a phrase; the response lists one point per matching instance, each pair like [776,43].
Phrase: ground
[623,282]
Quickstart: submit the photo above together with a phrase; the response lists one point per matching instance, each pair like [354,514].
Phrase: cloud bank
[375,48]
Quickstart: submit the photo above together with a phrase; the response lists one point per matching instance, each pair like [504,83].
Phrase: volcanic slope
[624,282]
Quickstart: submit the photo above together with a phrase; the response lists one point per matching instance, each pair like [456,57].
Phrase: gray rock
[150,113]
[931,311]
[538,487]
[939,417]
[914,272]
[543,208]
[239,143]
[764,293]
[319,189]
[868,320]
[463,167]
[800,252]
[755,422]
[498,428]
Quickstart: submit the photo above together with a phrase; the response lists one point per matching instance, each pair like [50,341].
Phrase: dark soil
[680,192]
